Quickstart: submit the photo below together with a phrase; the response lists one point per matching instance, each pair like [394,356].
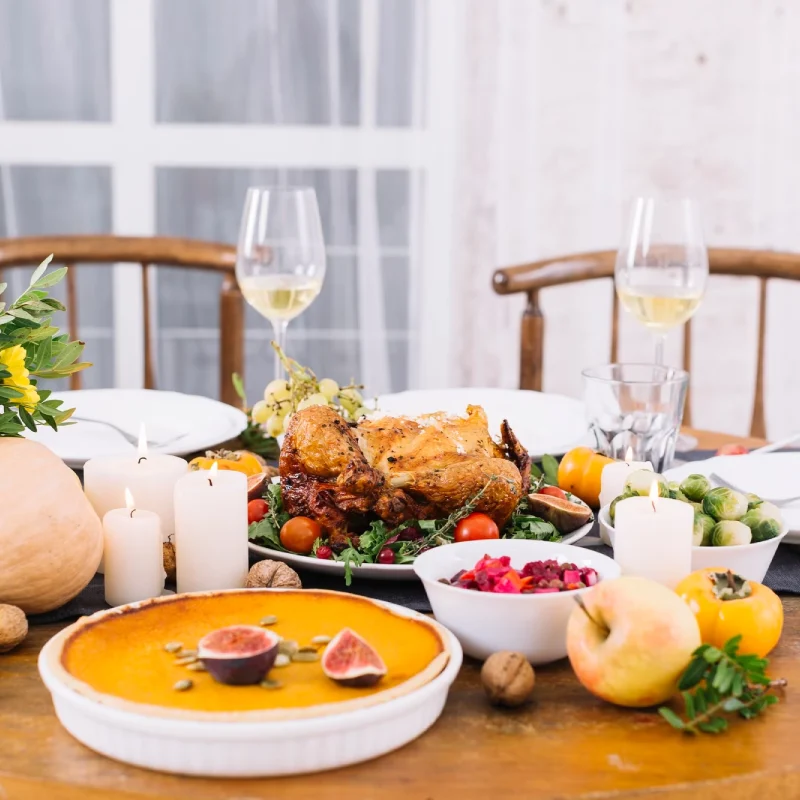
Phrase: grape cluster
[282,398]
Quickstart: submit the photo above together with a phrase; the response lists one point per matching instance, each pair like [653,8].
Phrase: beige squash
[51,540]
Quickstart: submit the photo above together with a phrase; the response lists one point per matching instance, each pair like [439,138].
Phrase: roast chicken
[397,469]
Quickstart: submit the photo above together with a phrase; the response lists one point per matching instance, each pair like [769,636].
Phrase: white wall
[570,107]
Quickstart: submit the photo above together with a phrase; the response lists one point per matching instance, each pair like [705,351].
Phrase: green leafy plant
[32,349]
[548,472]
[267,532]
[253,437]
[720,682]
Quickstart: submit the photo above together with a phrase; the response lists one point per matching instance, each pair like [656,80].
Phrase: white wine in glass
[662,265]
[280,261]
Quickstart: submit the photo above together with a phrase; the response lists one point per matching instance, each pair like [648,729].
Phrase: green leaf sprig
[549,471]
[720,682]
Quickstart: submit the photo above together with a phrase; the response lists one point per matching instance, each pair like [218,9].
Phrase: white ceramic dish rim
[387,572]
[605,519]
[195,729]
[527,597]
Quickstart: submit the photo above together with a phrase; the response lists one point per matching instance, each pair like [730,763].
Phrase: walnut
[508,678]
[169,560]
[13,627]
[272,575]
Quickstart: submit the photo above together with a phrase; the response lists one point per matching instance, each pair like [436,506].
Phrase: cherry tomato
[324,552]
[256,510]
[386,556]
[476,526]
[554,491]
[732,450]
[299,534]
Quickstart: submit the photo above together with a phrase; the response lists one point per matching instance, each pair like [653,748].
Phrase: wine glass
[662,265]
[280,260]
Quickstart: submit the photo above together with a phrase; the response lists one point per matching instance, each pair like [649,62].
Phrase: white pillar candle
[134,556]
[151,479]
[211,530]
[653,538]
[614,475]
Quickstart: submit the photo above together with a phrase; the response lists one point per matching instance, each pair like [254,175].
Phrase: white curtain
[568,110]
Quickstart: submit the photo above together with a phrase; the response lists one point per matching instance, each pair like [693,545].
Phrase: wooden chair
[531,278]
[149,252]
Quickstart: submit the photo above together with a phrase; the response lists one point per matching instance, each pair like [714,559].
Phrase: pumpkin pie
[129,658]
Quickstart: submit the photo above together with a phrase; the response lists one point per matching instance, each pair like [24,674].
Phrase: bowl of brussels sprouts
[737,531]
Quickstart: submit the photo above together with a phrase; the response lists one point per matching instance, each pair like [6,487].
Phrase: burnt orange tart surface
[119,657]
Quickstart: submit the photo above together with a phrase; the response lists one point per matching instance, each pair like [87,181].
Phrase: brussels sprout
[729,532]
[703,529]
[764,521]
[723,503]
[640,481]
[678,495]
[612,509]
[753,500]
[696,487]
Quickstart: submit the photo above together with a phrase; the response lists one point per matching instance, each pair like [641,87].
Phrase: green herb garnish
[724,682]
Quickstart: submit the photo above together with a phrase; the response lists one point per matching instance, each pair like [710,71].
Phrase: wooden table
[567,744]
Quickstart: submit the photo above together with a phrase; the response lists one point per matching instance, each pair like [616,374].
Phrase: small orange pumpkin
[236,460]
[579,473]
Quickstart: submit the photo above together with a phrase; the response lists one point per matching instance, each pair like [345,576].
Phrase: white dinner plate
[382,572]
[179,423]
[544,423]
[771,475]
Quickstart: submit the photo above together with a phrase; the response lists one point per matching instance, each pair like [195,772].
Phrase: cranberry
[323,551]
[386,556]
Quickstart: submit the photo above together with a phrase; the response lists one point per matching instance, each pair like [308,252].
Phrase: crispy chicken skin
[397,468]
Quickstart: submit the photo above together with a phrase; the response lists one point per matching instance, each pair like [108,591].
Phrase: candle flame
[629,455]
[142,441]
[213,470]
[653,494]
[129,504]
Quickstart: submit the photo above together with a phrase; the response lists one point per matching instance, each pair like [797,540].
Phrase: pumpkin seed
[173,647]
[321,640]
[197,666]
[306,655]
[270,619]
[183,662]
[184,685]
[282,660]
[307,649]
[268,683]
[288,647]
[187,653]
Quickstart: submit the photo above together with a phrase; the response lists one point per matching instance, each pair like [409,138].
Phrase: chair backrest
[148,252]
[531,278]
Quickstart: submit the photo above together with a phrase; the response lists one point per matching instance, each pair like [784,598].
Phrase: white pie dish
[532,624]
[249,748]
[751,561]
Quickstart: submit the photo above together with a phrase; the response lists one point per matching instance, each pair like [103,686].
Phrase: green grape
[260,412]
[277,391]
[350,400]
[286,420]
[317,399]
[329,388]
[274,425]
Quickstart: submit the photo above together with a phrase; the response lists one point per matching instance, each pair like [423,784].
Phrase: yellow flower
[13,360]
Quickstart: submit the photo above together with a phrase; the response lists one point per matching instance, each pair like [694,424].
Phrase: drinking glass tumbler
[636,406]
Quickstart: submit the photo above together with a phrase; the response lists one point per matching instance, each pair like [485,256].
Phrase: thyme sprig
[723,681]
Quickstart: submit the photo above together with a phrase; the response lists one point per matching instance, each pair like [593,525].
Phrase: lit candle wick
[129,501]
[212,473]
[654,494]
[142,444]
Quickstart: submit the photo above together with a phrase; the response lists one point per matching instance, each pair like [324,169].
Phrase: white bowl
[484,622]
[751,561]
[249,749]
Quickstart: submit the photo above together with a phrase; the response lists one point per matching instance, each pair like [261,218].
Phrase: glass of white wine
[662,265]
[280,260]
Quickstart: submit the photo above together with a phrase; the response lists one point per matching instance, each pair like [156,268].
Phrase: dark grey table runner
[783,577]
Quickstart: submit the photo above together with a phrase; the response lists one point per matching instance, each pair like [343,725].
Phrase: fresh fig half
[352,661]
[256,485]
[564,514]
[239,655]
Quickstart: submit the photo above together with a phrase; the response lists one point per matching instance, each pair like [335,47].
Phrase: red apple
[631,641]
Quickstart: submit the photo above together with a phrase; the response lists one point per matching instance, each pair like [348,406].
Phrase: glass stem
[279,327]
[660,339]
